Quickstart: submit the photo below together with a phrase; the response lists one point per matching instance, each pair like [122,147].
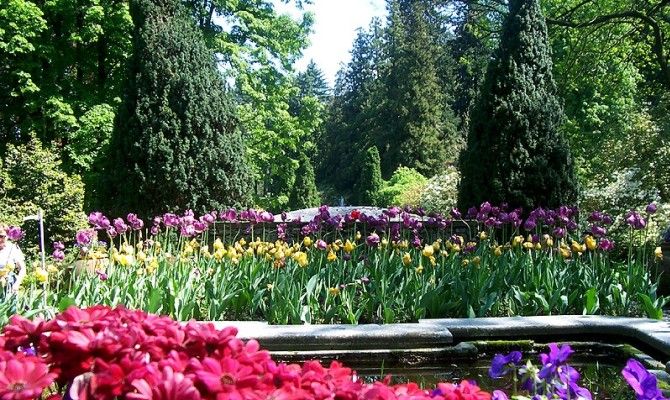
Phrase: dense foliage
[176,140]
[304,193]
[515,152]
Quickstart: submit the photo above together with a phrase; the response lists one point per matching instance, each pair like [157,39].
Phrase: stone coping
[434,333]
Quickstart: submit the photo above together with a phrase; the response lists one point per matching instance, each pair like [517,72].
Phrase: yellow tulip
[497,251]
[307,241]
[331,256]
[483,235]
[590,242]
[41,275]
[428,251]
[348,246]
[406,259]
[218,244]
[658,253]
[334,291]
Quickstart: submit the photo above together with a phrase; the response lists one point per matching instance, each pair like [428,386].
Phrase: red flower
[355,214]
[172,386]
[463,391]
[22,332]
[23,378]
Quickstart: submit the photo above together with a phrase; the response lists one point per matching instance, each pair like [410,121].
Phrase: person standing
[12,261]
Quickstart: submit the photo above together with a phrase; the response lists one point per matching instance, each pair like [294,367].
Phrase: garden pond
[599,365]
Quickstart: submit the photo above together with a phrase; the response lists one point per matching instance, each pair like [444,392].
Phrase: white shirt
[11,254]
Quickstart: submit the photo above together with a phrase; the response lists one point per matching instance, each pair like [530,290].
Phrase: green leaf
[592,303]
[155,300]
[65,302]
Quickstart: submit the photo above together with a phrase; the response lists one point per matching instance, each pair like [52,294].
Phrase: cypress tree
[515,153]
[175,143]
[370,182]
[304,193]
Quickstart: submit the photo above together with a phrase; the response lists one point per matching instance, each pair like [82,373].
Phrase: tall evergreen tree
[175,144]
[312,83]
[351,114]
[417,124]
[304,193]
[370,181]
[515,152]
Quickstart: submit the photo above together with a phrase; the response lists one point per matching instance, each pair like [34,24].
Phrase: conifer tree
[175,143]
[515,152]
[304,193]
[417,124]
[370,181]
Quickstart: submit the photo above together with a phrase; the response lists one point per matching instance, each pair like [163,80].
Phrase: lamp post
[40,218]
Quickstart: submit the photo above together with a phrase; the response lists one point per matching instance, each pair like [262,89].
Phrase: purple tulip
[155,229]
[85,236]
[98,220]
[642,381]
[501,364]
[120,225]
[229,215]
[135,222]
[267,217]
[14,233]
[58,246]
[187,230]
[606,245]
[199,227]
[111,231]
[281,231]
[651,208]
[321,244]
[530,224]
[596,216]
[598,231]
[559,232]
[635,220]
[472,212]
[58,255]
[372,240]
[455,214]
[103,276]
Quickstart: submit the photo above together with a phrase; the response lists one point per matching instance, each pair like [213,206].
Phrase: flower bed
[103,353]
[353,268]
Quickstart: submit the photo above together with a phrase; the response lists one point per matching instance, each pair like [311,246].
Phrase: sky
[334,30]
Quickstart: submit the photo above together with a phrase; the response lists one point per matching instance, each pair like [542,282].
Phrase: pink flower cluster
[104,353]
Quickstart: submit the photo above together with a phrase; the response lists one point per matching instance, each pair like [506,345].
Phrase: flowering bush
[103,353]
[441,191]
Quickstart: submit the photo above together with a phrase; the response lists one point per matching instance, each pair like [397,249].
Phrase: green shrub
[31,178]
[304,193]
[370,182]
[404,188]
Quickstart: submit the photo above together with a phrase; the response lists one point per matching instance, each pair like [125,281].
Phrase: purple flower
[229,215]
[551,361]
[372,240]
[596,216]
[85,236]
[501,364]
[598,231]
[98,220]
[199,226]
[111,231]
[103,276]
[606,245]
[485,207]
[135,222]
[266,216]
[187,230]
[58,246]
[170,219]
[472,212]
[559,232]
[635,220]
[321,244]
[120,225]
[58,255]
[14,233]
[499,395]
[455,214]
[642,381]
[530,224]
[651,208]
[416,242]
[155,229]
